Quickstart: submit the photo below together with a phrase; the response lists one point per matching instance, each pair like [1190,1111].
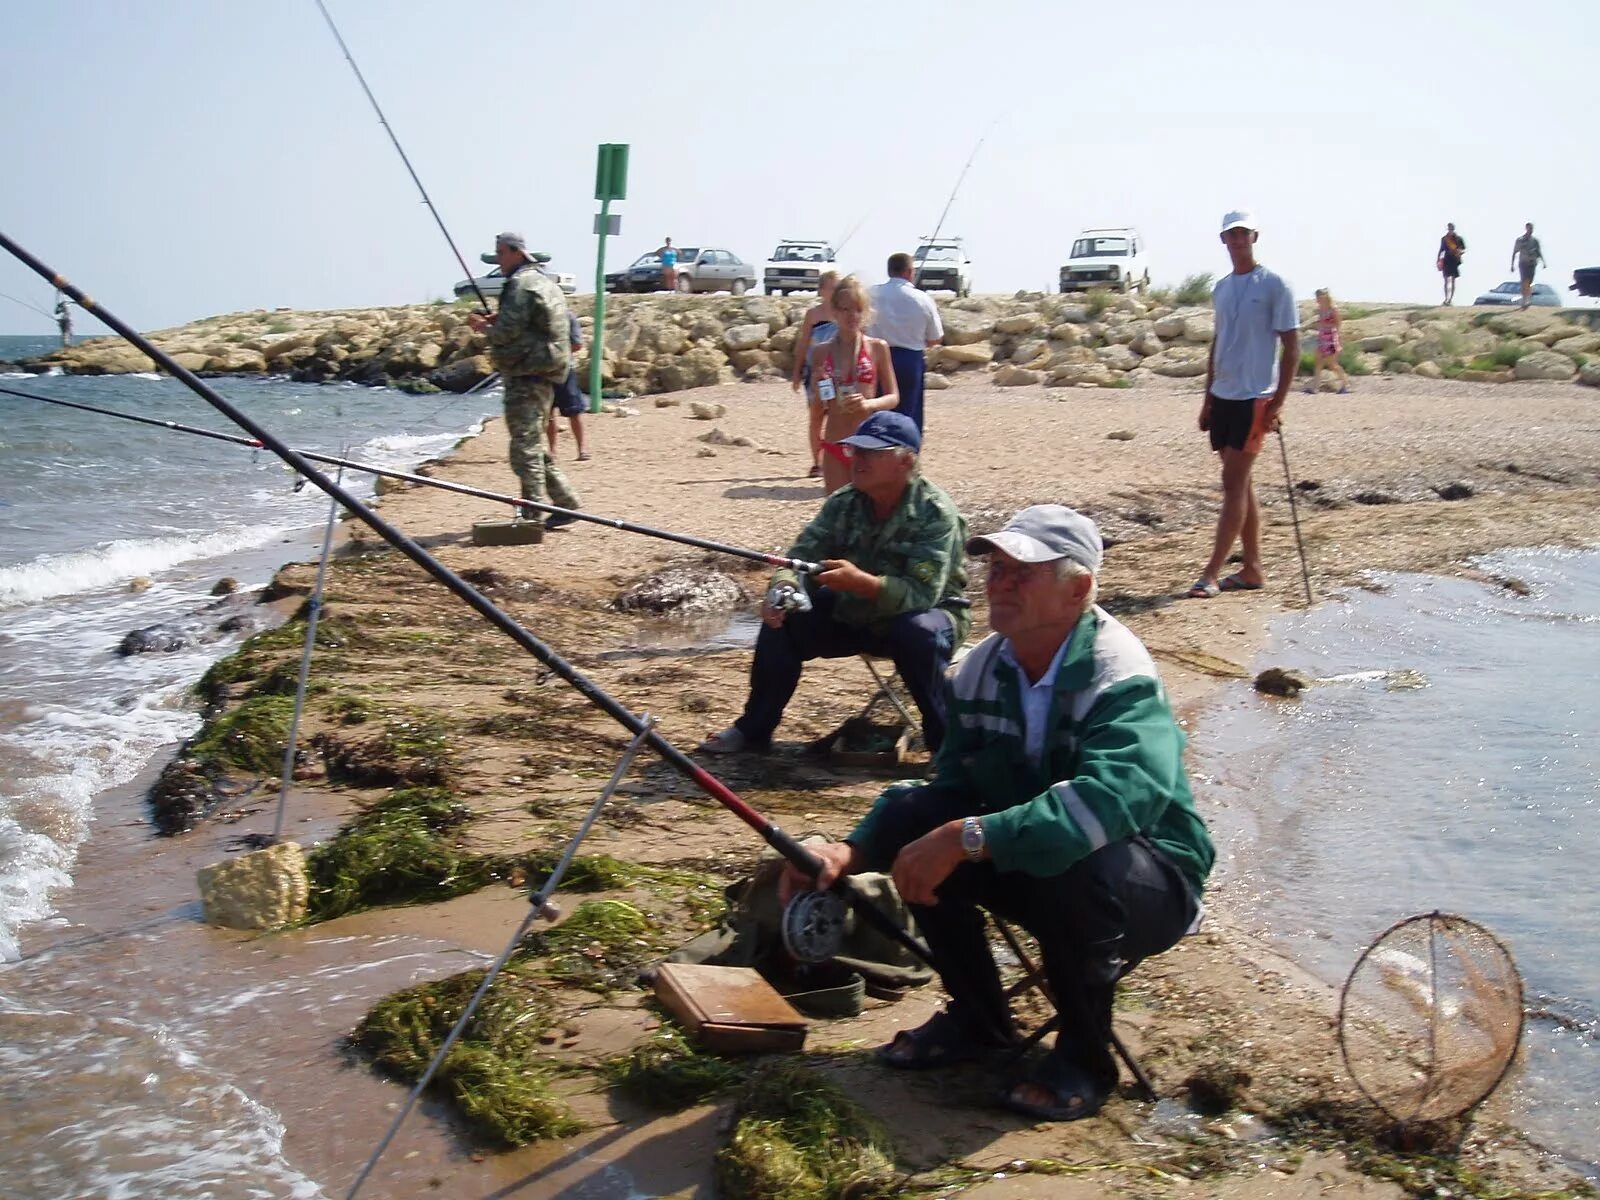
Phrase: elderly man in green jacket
[1059,802]
[893,584]
[528,343]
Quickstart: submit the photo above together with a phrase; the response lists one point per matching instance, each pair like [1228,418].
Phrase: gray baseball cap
[514,240]
[1044,533]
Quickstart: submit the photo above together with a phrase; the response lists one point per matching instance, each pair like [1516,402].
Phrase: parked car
[1510,292]
[492,283]
[795,266]
[1107,258]
[714,271]
[942,265]
[642,275]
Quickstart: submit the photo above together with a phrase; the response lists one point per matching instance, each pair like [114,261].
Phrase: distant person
[852,377]
[907,318]
[817,327]
[529,343]
[1527,257]
[570,400]
[1330,342]
[1451,247]
[1255,321]
[668,254]
[64,320]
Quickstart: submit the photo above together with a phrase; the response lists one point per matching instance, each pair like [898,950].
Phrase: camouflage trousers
[529,401]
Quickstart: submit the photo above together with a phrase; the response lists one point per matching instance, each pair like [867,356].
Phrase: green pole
[597,339]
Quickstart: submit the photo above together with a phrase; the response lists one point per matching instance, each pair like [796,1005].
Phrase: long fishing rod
[799,565]
[708,783]
[389,129]
[960,179]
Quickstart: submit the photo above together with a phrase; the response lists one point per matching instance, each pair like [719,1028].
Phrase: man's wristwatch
[972,841]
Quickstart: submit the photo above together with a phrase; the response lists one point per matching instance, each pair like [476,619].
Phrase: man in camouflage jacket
[894,585]
[528,344]
[1059,801]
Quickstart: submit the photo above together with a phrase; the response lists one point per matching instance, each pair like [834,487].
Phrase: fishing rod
[916,280]
[1294,512]
[25,304]
[708,783]
[799,565]
[389,129]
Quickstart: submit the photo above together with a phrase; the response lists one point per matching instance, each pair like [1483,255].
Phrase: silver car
[715,271]
[492,283]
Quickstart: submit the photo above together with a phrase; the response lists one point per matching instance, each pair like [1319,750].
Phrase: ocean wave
[144,375]
[120,561]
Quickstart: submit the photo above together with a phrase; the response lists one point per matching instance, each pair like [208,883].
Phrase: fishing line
[792,851]
[25,304]
[916,279]
[799,565]
[389,129]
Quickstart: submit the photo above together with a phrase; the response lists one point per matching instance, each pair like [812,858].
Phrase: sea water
[99,1093]
[1447,759]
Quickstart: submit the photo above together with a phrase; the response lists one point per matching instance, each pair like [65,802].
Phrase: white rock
[264,889]
[1544,364]
[1118,358]
[1018,323]
[962,328]
[1429,370]
[744,337]
[1071,375]
[1590,374]
[704,410]
[1178,362]
[1011,376]
[1146,344]
[1199,327]
[935,382]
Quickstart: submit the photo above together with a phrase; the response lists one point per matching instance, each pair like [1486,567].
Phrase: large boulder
[1073,314]
[1070,355]
[750,363]
[1199,327]
[767,311]
[966,354]
[466,373]
[1028,353]
[1118,358]
[1076,374]
[963,328]
[237,358]
[1178,362]
[1169,326]
[265,889]
[1020,323]
[1544,364]
[1066,334]
[1011,376]
[1581,343]
[744,337]
[935,382]
[1146,344]
[1526,323]
[1430,370]
[1590,374]
[698,367]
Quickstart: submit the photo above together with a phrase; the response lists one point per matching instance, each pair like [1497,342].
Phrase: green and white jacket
[1111,766]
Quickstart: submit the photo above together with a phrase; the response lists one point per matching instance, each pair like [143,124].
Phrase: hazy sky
[178,158]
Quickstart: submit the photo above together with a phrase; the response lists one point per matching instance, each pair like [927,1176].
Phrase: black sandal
[1078,1093]
[943,1040]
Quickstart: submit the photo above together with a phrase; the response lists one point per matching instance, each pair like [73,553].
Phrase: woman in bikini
[1330,341]
[851,378]
[818,327]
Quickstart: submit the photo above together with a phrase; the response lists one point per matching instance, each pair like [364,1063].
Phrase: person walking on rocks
[668,254]
[852,377]
[1330,343]
[570,400]
[64,319]
[1527,257]
[529,344]
[817,327]
[1256,323]
[1451,247]
[906,317]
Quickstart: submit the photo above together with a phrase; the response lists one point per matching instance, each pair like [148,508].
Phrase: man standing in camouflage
[528,344]
[893,584]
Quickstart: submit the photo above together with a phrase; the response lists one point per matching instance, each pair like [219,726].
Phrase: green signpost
[610,183]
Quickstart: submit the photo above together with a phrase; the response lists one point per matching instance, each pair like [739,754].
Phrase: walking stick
[1294,513]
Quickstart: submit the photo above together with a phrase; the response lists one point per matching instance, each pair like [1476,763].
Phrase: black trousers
[1094,922]
[919,642]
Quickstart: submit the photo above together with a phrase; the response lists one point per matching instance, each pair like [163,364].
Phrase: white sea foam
[144,375]
[118,562]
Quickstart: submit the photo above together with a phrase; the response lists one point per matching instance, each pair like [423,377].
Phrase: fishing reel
[788,597]
[813,926]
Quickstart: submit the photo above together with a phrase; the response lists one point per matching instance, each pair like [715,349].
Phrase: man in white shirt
[908,320]
[1256,323]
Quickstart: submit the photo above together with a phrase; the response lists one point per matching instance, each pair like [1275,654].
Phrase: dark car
[644,275]
[1510,292]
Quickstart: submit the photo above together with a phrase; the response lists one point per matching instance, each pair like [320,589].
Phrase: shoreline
[1197,646]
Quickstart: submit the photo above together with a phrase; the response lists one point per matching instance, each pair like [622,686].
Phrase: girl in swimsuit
[851,378]
[818,327]
[1330,342]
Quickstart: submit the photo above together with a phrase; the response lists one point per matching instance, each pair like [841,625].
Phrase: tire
[685,284]
[772,291]
[739,287]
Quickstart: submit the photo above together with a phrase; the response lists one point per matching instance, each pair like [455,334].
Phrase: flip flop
[943,1040]
[731,740]
[1236,583]
[1077,1093]
[1202,589]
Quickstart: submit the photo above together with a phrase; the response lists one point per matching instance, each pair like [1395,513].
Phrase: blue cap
[886,431]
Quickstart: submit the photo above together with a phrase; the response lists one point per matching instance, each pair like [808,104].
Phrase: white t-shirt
[1251,311]
[904,316]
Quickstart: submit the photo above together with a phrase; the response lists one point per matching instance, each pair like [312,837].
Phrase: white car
[942,265]
[795,266]
[491,283]
[1107,258]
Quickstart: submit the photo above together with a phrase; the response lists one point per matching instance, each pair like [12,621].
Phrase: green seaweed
[253,737]
[800,1137]
[397,852]
[666,1073]
[603,945]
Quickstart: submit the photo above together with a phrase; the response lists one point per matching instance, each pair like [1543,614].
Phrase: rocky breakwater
[665,343]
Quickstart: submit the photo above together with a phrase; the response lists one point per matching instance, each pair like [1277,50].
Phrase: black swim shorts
[1230,423]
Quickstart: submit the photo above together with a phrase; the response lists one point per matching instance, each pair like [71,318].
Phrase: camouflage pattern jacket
[916,553]
[529,335]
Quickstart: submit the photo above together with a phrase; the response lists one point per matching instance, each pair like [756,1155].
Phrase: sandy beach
[1520,463]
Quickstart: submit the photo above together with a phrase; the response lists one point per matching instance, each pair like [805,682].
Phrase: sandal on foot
[1237,583]
[731,740]
[943,1040]
[1202,589]
[1076,1092]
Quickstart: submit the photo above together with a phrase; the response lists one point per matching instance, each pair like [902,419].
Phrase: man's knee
[924,634]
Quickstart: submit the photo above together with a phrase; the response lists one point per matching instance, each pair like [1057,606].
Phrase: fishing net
[1431,1017]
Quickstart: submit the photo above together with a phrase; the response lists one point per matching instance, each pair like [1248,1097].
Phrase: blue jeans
[909,368]
[919,642]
